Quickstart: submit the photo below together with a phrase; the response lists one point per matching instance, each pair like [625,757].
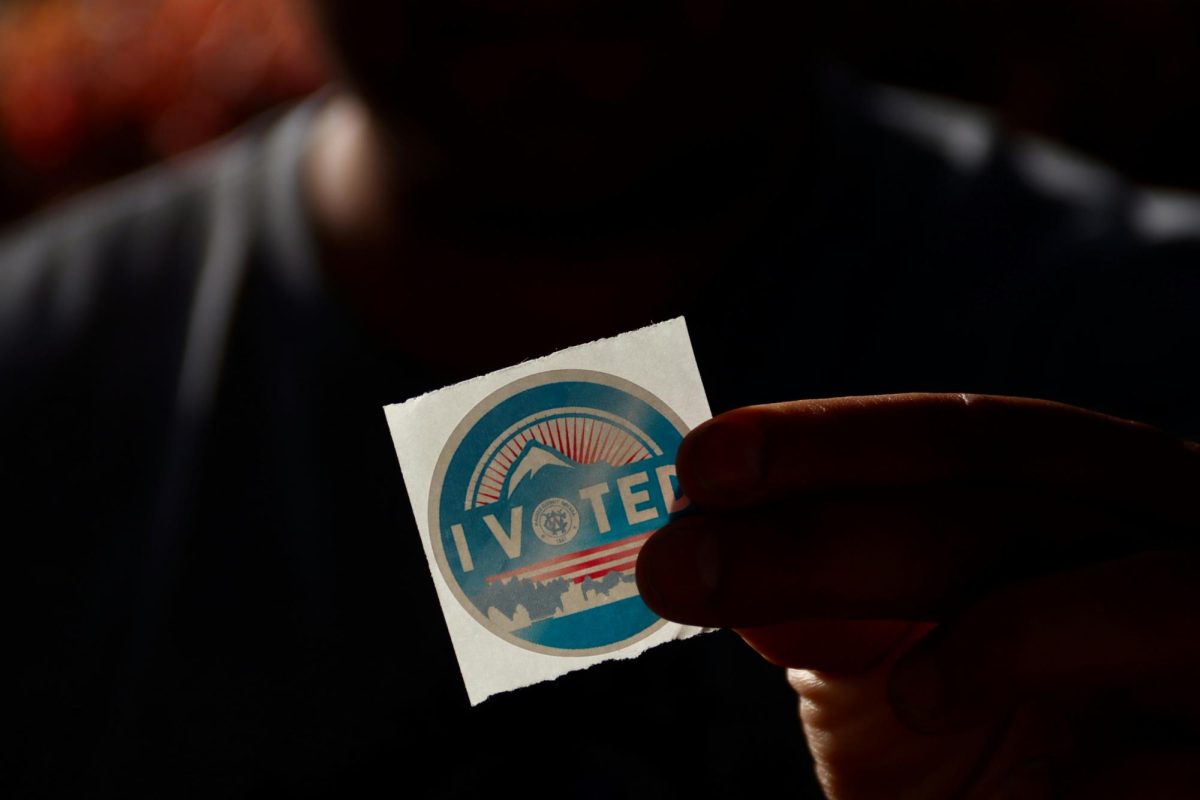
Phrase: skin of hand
[975,596]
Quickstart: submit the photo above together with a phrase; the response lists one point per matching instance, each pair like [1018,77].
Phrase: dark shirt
[217,584]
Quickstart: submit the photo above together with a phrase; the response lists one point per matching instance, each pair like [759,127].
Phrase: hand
[981,596]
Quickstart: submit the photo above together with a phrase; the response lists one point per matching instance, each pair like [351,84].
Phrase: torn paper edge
[658,358]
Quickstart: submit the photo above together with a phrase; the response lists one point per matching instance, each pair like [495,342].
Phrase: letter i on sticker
[540,502]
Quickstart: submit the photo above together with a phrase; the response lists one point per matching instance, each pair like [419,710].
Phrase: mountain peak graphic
[533,458]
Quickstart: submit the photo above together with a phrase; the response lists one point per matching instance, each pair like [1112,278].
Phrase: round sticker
[541,500]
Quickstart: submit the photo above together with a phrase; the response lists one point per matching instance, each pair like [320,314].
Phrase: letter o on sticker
[555,521]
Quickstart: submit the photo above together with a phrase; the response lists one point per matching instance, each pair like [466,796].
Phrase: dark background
[91,89]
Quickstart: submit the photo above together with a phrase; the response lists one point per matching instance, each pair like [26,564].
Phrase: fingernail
[727,457]
[679,570]
[920,694]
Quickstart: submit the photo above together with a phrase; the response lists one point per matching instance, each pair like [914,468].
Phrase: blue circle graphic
[541,501]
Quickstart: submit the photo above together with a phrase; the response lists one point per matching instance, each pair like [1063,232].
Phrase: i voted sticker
[540,502]
[533,489]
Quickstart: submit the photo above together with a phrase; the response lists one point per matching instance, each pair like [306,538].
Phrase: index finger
[761,453]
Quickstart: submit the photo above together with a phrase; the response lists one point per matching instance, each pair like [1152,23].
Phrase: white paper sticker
[534,487]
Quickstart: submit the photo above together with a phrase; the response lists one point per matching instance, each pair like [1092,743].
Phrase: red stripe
[539,565]
[614,436]
[593,436]
[607,557]
[620,452]
[619,568]
[602,445]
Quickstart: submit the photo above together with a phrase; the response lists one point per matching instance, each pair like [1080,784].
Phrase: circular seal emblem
[540,502]
[555,521]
